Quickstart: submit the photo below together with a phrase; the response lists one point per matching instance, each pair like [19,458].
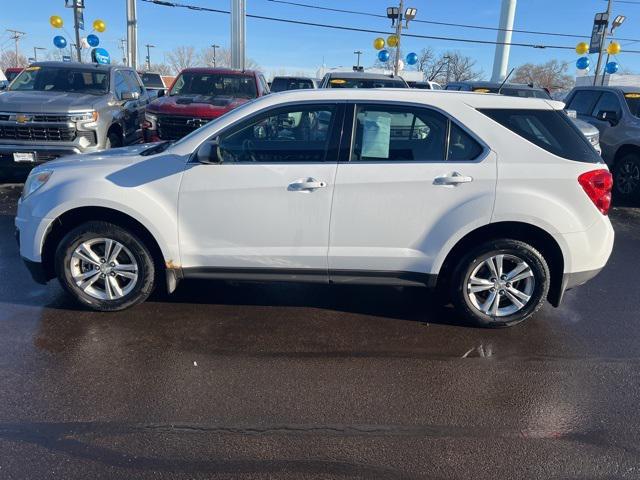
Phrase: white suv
[499,202]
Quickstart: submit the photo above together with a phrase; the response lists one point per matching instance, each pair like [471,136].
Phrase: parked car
[280,84]
[12,72]
[59,108]
[500,202]
[426,85]
[361,80]
[526,91]
[615,111]
[199,95]
[153,83]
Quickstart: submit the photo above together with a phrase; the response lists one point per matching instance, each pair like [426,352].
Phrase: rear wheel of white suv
[627,177]
[500,283]
[104,266]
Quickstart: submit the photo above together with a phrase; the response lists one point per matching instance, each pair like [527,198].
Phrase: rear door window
[551,130]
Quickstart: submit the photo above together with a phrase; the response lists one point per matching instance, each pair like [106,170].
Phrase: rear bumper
[570,280]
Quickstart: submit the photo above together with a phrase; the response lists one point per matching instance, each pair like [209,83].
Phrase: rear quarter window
[551,130]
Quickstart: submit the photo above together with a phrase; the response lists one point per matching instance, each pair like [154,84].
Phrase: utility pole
[602,40]
[132,34]
[238,33]
[503,43]
[396,66]
[214,46]
[35,53]
[149,46]
[16,36]
[123,47]
[358,53]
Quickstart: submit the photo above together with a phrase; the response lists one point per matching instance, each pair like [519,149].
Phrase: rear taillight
[597,184]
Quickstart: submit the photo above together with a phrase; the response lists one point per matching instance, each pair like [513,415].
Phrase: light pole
[619,20]
[214,46]
[78,23]
[35,52]
[149,47]
[602,40]
[396,14]
[358,53]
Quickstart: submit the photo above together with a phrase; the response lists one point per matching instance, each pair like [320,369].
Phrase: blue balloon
[383,55]
[93,40]
[59,41]
[412,58]
[582,63]
[612,67]
[100,55]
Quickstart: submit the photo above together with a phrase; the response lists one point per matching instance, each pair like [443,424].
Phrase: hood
[204,106]
[113,156]
[46,102]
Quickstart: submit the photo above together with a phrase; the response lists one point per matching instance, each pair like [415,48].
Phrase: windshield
[215,84]
[282,84]
[336,82]
[633,100]
[151,80]
[62,79]
[11,75]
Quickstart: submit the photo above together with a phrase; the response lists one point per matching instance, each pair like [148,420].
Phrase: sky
[293,48]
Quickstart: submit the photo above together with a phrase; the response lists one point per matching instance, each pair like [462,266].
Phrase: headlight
[150,120]
[84,117]
[35,181]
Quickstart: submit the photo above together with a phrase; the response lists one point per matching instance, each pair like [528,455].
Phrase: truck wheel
[104,267]
[113,140]
[500,283]
[626,180]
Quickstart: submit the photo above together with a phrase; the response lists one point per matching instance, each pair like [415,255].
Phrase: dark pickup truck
[197,96]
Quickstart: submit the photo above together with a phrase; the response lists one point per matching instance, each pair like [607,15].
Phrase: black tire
[91,231]
[113,140]
[626,179]
[514,250]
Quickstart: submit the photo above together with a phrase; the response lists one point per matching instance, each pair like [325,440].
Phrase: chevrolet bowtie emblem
[20,118]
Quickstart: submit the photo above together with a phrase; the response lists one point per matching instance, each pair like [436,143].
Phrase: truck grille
[42,133]
[175,127]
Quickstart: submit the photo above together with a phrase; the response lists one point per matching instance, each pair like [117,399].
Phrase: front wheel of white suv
[104,266]
[500,283]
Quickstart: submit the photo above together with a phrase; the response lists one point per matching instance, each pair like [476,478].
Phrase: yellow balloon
[582,48]
[378,43]
[614,48]
[56,21]
[99,26]
[392,41]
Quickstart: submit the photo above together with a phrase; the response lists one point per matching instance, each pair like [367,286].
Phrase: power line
[366,30]
[447,24]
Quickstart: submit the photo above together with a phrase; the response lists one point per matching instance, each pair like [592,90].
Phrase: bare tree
[551,75]
[450,66]
[8,59]
[223,59]
[161,68]
[182,57]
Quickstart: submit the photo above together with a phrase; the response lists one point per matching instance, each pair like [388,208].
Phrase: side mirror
[208,152]
[610,116]
[572,113]
[161,93]
[127,96]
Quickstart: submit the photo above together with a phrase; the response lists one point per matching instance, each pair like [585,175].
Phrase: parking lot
[226,380]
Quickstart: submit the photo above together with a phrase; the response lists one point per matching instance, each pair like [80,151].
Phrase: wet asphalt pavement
[236,381]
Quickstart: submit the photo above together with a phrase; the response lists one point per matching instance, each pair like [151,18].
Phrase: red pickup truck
[197,96]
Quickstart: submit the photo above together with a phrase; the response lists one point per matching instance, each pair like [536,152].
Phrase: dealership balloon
[582,48]
[614,48]
[378,43]
[383,55]
[582,63]
[612,67]
[392,41]
[99,26]
[56,21]
[59,41]
[93,40]
[412,58]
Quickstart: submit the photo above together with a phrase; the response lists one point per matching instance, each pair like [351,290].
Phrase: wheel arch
[535,236]
[625,150]
[74,217]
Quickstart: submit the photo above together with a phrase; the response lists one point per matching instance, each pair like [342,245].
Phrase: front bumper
[43,153]
[36,269]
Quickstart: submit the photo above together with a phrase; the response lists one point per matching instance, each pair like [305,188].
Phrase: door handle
[306,185]
[454,178]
